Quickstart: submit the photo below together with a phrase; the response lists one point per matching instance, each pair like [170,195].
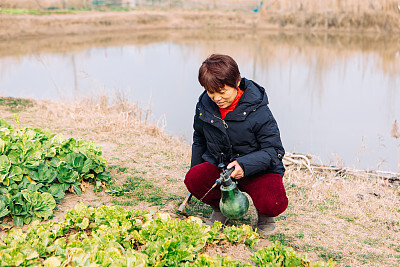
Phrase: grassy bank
[353,220]
[334,16]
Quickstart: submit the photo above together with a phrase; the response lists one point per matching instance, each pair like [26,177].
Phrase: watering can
[233,204]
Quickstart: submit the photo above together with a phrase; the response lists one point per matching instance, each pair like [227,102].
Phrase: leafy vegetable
[114,236]
[278,255]
[3,207]
[37,167]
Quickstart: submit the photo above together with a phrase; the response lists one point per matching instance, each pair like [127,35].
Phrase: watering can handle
[226,173]
[229,171]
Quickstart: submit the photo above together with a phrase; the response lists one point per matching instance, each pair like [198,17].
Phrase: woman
[234,125]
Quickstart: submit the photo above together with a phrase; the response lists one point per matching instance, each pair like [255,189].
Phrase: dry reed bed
[352,219]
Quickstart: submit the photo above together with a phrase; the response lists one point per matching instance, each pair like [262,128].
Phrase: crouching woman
[234,125]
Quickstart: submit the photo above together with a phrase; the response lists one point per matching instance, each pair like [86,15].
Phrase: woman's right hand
[238,172]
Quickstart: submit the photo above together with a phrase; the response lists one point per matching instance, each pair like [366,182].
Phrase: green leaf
[15,173]
[40,204]
[98,169]
[5,166]
[82,223]
[32,159]
[55,162]
[87,166]
[44,174]
[77,189]
[57,191]
[18,205]
[66,175]
[3,209]
[105,177]
[75,160]
[34,187]
[18,221]
[3,146]
[3,190]
[15,156]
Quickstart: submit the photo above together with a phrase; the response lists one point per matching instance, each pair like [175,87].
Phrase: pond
[334,96]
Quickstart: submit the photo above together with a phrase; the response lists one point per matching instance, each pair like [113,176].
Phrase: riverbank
[354,220]
[134,21]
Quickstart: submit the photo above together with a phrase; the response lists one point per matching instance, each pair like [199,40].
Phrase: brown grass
[322,15]
[356,6]
[352,219]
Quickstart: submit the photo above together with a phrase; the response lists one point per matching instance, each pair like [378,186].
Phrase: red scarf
[225,111]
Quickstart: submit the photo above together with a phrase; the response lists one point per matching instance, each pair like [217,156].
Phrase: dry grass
[356,6]
[339,15]
[350,218]
[353,220]
[40,4]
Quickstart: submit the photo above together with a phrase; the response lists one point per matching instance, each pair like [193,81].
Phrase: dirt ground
[132,22]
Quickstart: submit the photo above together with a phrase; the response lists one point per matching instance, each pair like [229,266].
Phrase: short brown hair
[218,71]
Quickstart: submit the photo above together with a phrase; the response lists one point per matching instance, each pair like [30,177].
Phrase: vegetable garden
[37,169]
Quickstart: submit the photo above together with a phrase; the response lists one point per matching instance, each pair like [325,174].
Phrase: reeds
[355,6]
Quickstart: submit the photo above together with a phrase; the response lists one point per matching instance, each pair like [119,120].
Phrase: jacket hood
[254,96]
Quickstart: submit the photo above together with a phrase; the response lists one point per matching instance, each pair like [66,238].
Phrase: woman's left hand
[238,172]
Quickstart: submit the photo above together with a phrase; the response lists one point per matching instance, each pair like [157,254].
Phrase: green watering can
[233,204]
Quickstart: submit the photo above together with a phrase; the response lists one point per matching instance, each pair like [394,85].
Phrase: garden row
[114,236]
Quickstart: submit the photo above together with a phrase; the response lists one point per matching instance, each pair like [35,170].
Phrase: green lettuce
[3,207]
[37,160]
[43,174]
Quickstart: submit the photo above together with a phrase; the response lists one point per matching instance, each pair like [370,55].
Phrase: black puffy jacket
[248,134]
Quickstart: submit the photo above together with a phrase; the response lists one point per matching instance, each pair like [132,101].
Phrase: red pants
[266,191]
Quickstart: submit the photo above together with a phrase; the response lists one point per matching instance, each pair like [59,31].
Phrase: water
[334,96]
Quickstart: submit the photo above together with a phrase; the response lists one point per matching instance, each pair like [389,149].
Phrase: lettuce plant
[114,236]
[38,166]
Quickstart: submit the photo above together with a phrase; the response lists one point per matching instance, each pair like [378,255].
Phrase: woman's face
[225,97]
